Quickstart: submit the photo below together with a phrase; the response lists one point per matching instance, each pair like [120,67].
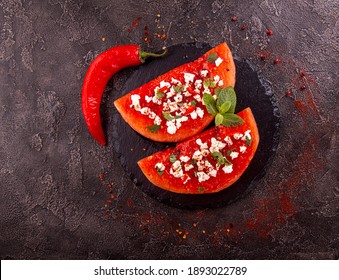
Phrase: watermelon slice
[169,108]
[206,163]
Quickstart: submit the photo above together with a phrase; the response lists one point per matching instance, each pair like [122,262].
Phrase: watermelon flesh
[206,163]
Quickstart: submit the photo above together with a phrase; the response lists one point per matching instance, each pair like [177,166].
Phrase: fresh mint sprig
[223,107]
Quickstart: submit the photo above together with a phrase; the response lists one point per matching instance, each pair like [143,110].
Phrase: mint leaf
[169,117]
[160,172]
[173,158]
[194,103]
[201,190]
[232,120]
[212,57]
[210,104]
[159,94]
[248,140]
[209,83]
[219,157]
[153,128]
[179,88]
[224,108]
[226,94]
[218,119]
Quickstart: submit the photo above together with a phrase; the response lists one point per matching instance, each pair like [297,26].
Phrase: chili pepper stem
[144,55]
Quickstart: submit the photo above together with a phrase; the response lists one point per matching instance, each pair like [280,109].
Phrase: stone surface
[55,205]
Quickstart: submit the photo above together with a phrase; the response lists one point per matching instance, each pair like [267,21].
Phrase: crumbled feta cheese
[198,84]
[173,106]
[176,165]
[164,84]
[184,158]
[157,120]
[200,112]
[247,134]
[221,83]
[171,128]
[178,97]
[201,165]
[216,145]
[165,107]
[216,78]
[202,176]
[189,77]
[237,136]
[197,97]
[207,90]
[152,115]
[194,115]
[218,61]
[177,173]
[176,169]
[145,110]
[228,168]
[213,173]
[160,166]
[197,155]
[201,144]
[188,167]
[156,100]
[204,146]
[135,101]
[186,93]
[243,149]
[187,179]
[170,93]
[234,155]
[228,140]
[148,99]
[203,73]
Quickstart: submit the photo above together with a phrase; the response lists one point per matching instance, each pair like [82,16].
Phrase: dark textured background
[53,203]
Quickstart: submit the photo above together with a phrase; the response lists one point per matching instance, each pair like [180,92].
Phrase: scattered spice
[244,27]
[303,87]
[269,32]
[101,176]
[277,61]
[234,18]
[288,93]
[263,57]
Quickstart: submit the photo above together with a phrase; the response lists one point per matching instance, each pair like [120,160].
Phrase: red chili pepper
[99,73]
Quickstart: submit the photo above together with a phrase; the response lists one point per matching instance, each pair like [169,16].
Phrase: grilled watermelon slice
[206,163]
[169,108]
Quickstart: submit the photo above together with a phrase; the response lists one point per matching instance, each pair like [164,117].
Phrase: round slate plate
[252,91]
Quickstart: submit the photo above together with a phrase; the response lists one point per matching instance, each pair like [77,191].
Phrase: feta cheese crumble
[243,149]
[218,61]
[234,155]
[228,168]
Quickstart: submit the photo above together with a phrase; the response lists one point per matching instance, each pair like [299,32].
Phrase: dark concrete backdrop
[54,203]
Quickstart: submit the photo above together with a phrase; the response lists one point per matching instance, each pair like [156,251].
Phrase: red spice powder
[269,32]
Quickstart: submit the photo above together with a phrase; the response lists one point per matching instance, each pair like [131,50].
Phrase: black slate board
[252,91]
